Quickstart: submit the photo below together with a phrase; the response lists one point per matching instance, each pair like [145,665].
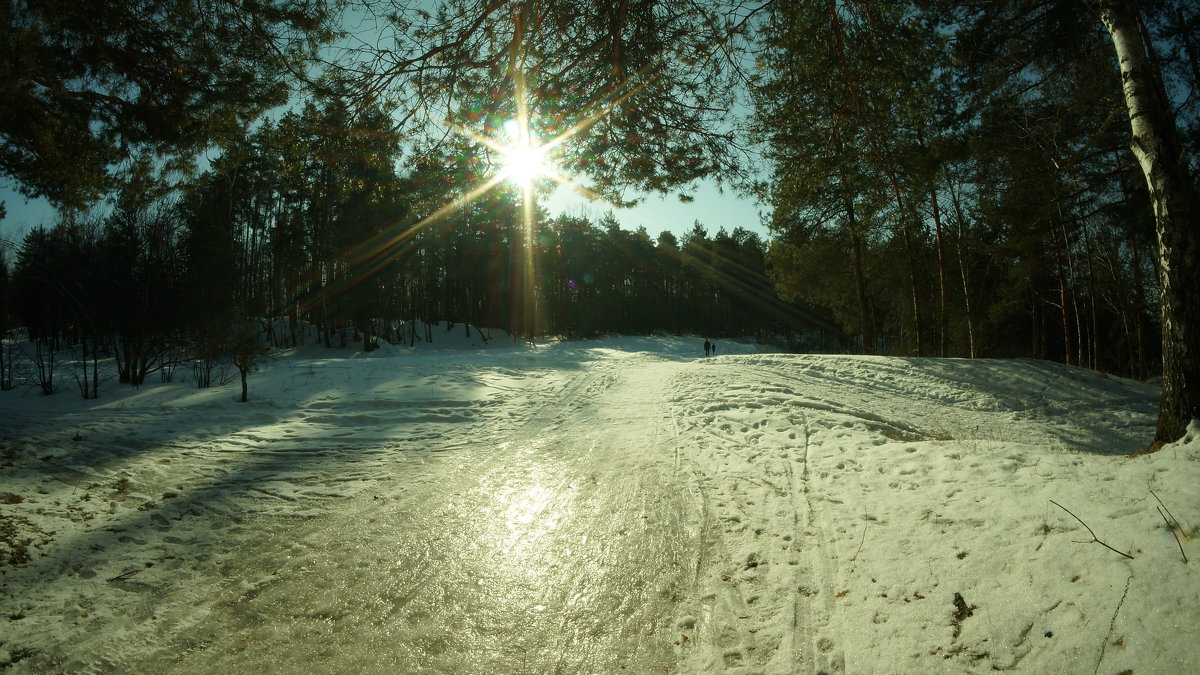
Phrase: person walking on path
[707,346]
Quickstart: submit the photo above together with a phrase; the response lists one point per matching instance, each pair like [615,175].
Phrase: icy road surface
[582,508]
[558,537]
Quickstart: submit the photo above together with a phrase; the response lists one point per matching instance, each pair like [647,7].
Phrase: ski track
[771,549]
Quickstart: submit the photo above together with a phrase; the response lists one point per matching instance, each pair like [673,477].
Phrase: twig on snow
[860,543]
[1164,506]
[1172,524]
[1172,529]
[125,575]
[1095,539]
[1112,624]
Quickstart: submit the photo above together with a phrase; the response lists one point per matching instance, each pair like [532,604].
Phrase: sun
[524,157]
[523,164]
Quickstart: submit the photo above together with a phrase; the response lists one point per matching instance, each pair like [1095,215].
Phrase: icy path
[497,515]
[553,547]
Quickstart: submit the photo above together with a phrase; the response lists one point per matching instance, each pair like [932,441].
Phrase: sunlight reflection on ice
[525,550]
[526,508]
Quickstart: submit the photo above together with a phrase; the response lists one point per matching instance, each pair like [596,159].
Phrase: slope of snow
[600,506]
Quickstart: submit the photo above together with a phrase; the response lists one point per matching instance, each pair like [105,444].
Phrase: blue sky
[22,215]
[656,213]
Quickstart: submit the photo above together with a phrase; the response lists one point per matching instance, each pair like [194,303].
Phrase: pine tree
[91,91]
[643,89]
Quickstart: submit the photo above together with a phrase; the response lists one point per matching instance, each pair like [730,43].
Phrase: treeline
[960,182]
[308,223]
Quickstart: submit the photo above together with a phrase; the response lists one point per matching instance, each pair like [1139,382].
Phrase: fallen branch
[1095,539]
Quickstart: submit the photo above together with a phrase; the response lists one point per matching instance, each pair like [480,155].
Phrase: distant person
[713,347]
[707,347]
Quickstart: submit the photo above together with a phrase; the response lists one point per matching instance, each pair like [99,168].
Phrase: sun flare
[524,156]
[525,161]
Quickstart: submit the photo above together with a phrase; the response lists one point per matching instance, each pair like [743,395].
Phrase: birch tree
[1173,198]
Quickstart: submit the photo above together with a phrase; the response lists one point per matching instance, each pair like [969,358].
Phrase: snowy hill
[618,505]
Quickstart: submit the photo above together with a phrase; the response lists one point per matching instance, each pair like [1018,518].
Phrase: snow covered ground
[621,505]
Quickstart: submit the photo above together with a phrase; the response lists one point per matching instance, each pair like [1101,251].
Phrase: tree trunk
[95,368]
[961,227]
[943,296]
[1139,294]
[84,382]
[906,236]
[913,286]
[1130,303]
[1173,198]
[1061,270]
[865,329]
[1093,291]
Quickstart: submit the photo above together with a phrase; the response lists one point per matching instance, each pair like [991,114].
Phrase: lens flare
[525,158]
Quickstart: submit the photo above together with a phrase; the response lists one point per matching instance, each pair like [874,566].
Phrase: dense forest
[301,230]
[952,178]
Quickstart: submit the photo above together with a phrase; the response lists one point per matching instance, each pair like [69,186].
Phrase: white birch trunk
[1173,197]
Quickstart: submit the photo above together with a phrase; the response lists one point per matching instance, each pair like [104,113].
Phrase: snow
[616,505]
